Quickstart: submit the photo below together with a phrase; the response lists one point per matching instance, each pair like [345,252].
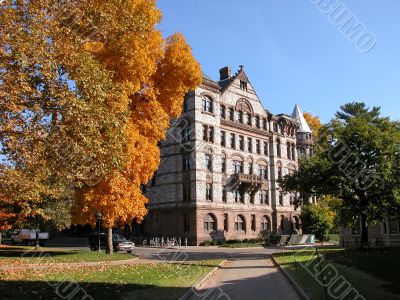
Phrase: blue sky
[292,52]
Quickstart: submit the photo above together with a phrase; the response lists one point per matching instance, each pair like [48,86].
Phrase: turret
[304,135]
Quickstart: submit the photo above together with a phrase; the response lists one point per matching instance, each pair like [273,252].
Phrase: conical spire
[298,115]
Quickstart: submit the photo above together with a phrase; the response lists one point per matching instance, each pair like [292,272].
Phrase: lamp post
[99,217]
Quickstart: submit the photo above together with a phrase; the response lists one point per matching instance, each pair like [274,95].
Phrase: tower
[304,135]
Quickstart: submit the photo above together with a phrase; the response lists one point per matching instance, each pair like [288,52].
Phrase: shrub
[269,238]
[233,241]
[318,220]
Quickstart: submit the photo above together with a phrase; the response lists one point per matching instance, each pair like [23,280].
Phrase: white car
[27,236]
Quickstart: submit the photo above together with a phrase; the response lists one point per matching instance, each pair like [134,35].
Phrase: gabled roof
[224,84]
[298,115]
[205,76]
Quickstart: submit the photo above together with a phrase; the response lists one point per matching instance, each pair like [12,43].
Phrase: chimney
[225,73]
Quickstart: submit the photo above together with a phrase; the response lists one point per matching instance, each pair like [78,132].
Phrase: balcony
[248,183]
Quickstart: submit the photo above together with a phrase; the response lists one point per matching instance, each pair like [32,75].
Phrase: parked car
[28,236]
[119,242]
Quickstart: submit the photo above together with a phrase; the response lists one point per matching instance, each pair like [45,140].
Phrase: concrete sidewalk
[247,279]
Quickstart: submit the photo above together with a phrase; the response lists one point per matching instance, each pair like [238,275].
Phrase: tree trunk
[109,248]
[364,231]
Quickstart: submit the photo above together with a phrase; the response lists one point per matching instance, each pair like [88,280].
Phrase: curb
[293,282]
[203,281]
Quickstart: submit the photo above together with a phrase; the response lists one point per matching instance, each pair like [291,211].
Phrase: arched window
[209,223]
[207,104]
[265,223]
[263,172]
[240,223]
[237,166]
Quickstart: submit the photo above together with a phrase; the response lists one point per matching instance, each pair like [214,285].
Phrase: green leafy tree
[357,161]
[317,219]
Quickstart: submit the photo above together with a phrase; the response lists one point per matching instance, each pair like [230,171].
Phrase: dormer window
[243,85]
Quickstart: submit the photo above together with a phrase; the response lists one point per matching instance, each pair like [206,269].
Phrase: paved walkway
[247,279]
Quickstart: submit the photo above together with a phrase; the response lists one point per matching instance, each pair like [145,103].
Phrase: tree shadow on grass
[23,252]
[32,290]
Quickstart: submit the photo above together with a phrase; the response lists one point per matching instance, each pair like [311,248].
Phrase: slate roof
[298,115]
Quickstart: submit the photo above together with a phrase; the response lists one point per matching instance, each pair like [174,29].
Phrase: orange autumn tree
[314,122]
[152,74]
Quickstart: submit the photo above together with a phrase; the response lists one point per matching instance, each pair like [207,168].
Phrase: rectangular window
[208,162]
[243,85]
[205,133]
[207,104]
[223,112]
[185,104]
[208,133]
[278,149]
[231,114]
[233,141]
[252,196]
[258,146]
[186,160]
[258,125]
[223,165]
[249,145]
[238,196]
[265,127]
[209,192]
[186,192]
[186,223]
[394,226]
[226,222]
[224,194]
[263,197]
[186,133]
[241,142]
[253,222]
[237,167]
[250,168]
[280,198]
[204,104]
[211,134]
[249,121]
[223,138]
[266,148]
[240,116]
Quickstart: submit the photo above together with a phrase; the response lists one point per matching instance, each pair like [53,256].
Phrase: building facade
[220,163]
[386,233]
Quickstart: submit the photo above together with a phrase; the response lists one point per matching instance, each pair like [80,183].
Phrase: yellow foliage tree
[314,122]
[153,76]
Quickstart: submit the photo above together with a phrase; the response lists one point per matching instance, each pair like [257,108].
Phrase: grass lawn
[141,281]
[241,245]
[10,254]
[374,273]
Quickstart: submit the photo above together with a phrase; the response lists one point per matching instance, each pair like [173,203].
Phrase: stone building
[220,163]
[386,233]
